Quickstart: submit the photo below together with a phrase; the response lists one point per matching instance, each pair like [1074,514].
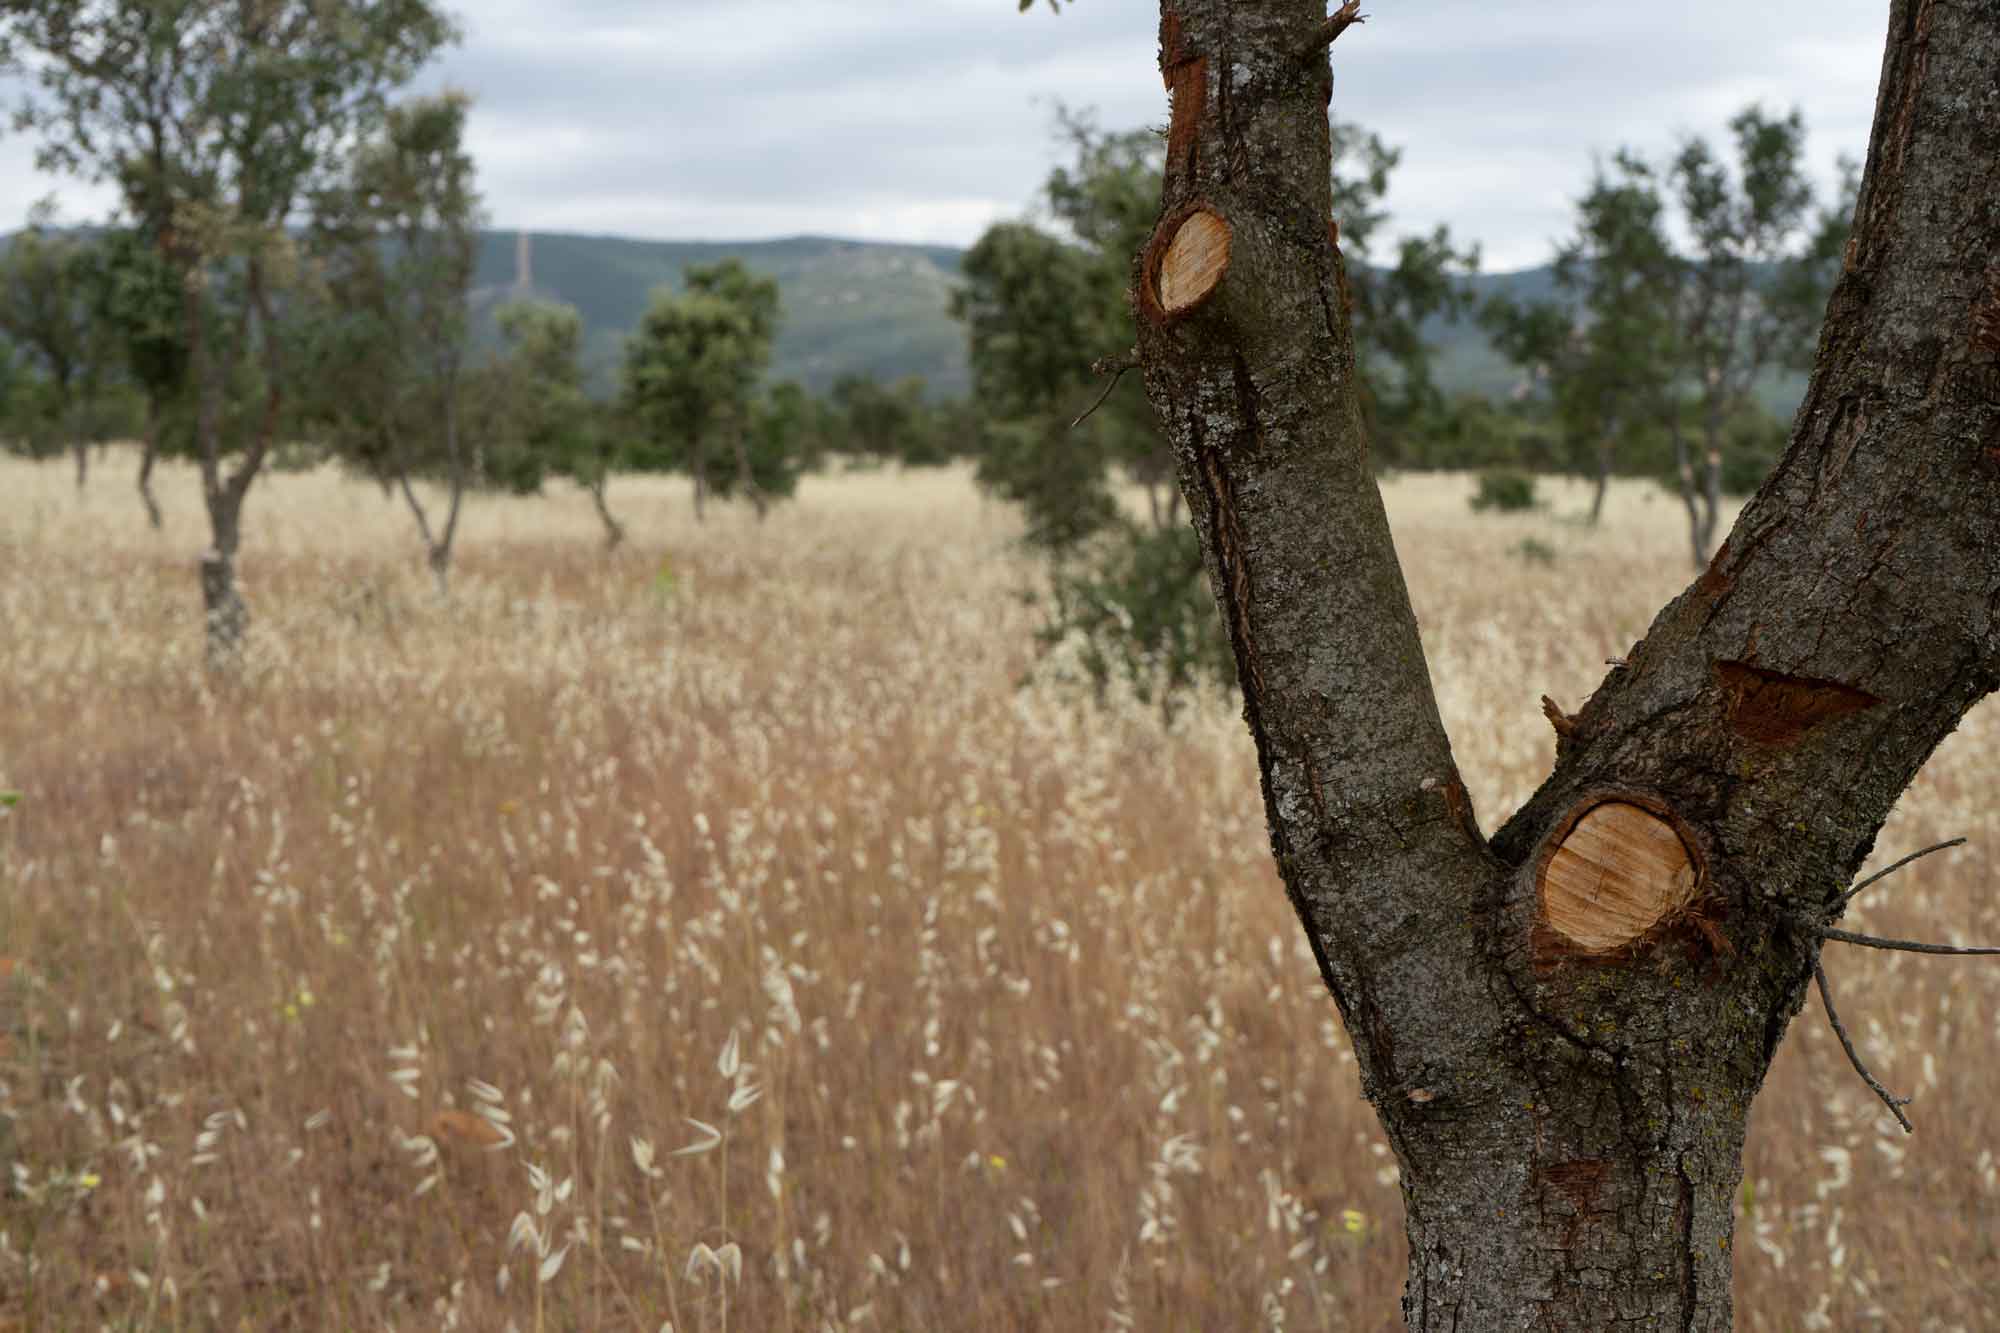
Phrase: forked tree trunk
[1562,1030]
[226,616]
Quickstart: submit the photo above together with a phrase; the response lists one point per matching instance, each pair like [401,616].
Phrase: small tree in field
[1645,334]
[137,299]
[690,377]
[46,312]
[398,240]
[1133,588]
[216,119]
[1562,1026]
[538,387]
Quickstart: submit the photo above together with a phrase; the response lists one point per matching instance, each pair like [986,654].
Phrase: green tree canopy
[1648,334]
[690,378]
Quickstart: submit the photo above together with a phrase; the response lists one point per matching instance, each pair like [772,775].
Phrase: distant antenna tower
[524,269]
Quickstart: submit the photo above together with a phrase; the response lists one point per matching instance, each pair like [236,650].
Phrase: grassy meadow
[743,930]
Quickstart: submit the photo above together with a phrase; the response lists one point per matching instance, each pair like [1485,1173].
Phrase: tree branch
[1895,1104]
[1834,908]
[1906,946]
[1115,367]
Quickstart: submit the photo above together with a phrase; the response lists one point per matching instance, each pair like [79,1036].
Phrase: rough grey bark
[1569,1122]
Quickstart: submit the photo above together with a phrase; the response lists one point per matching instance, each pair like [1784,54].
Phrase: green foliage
[1037,304]
[534,416]
[1505,491]
[1535,551]
[393,242]
[1646,344]
[690,379]
[1134,606]
[866,418]
[62,353]
[214,158]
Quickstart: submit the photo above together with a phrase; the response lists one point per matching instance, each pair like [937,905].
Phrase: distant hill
[870,308]
[850,307]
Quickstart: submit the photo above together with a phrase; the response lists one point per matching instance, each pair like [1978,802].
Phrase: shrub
[1506,490]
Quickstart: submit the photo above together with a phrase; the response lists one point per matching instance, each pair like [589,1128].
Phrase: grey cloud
[929,119]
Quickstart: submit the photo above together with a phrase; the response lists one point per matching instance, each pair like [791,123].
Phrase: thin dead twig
[1115,367]
[1895,1104]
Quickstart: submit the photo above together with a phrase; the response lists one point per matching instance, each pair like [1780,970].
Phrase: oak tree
[691,373]
[396,239]
[1646,333]
[214,119]
[46,313]
[1561,1025]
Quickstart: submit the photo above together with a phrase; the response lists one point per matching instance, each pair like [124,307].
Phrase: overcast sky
[926,120]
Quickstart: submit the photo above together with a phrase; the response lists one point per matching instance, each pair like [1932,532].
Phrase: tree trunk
[614,531]
[147,458]
[81,448]
[437,555]
[227,619]
[700,469]
[1562,1030]
[1701,495]
[440,551]
[747,479]
[1603,481]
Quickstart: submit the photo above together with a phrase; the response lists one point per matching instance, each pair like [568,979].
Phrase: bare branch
[1833,908]
[1905,946]
[1115,367]
[1895,1104]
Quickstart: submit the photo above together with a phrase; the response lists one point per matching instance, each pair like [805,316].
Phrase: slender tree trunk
[614,531]
[700,461]
[435,557]
[1607,444]
[1700,494]
[81,448]
[747,479]
[147,458]
[440,551]
[1566,1087]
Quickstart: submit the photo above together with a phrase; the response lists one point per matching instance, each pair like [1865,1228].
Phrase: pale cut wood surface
[1618,872]
[1194,262]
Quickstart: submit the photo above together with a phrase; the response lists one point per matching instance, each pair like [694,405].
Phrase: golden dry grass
[380,989]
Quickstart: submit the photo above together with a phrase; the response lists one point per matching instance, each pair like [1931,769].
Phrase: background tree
[1643,334]
[1565,1083]
[399,238]
[539,378]
[866,418]
[137,299]
[216,118]
[690,377]
[46,313]
[1132,588]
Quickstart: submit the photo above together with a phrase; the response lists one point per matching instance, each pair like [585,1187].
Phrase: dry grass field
[721,934]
